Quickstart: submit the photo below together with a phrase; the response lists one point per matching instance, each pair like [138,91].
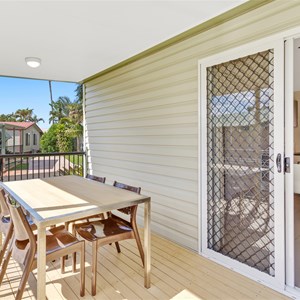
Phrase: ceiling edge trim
[216,21]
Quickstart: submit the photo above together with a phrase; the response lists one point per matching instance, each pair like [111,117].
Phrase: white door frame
[289,152]
[278,281]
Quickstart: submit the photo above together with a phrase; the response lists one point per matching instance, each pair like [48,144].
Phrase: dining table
[54,200]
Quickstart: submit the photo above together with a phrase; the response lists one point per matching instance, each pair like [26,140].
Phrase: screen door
[243,163]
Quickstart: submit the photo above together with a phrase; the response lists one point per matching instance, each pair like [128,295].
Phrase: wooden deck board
[177,273]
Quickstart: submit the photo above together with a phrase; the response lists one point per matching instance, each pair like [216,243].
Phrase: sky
[19,93]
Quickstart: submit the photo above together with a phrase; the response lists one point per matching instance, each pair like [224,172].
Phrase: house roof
[23,125]
[110,32]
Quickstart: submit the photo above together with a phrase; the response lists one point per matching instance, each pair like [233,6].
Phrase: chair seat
[57,239]
[110,227]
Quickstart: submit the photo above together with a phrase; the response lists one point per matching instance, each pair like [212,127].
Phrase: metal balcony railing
[40,165]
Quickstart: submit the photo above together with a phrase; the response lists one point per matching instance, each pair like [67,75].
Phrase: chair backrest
[127,187]
[22,229]
[127,210]
[96,178]
[4,210]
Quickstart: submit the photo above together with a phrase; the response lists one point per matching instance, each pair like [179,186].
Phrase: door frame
[277,44]
[289,152]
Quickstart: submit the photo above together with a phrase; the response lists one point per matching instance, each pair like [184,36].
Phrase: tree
[68,115]
[76,113]
[79,93]
[59,137]
[74,130]
[21,115]
[64,139]
[8,118]
[49,140]
[26,115]
[59,109]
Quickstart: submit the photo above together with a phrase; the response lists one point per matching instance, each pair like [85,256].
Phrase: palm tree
[8,118]
[23,115]
[59,109]
[26,115]
[69,113]
[35,119]
[79,93]
[76,113]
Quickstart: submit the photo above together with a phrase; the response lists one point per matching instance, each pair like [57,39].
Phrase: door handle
[278,163]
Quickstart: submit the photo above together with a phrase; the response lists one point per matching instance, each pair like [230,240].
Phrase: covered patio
[142,128]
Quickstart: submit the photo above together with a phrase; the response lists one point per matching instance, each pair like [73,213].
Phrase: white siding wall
[142,119]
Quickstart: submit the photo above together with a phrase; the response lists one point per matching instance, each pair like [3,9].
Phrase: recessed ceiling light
[33,62]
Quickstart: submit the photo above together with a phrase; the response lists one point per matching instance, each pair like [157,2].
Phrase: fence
[28,166]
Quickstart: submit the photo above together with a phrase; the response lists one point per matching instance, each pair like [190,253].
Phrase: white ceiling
[76,39]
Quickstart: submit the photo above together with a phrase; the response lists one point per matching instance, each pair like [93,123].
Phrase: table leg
[147,244]
[41,264]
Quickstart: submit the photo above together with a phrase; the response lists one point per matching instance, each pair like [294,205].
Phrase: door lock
[287,165]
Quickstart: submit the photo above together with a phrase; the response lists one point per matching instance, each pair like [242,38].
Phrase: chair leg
[5,262]
[74,254]
[6,242]
[67,225]
[24,279]
[138,242]
[63,259]
[74,262]
[82,270]
[94,267]
[62,264]
[118,247]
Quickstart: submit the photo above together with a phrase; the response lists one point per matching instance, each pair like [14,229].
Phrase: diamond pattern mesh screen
[240,160]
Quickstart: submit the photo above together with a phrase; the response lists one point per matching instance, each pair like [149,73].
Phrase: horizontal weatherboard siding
[141,122]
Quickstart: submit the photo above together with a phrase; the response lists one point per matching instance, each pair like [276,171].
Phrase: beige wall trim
[231,14]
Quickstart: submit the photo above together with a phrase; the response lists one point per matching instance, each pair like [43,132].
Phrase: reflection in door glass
[240,160]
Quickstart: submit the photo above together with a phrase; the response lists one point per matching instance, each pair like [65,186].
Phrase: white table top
[59,199]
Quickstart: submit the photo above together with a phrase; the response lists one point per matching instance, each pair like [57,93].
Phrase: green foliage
[49,140]
[63,107]
[21,115]
[59,109]
[59,138]
[69,116]
[8,118]
[79,93]
[64,140]
[66,117]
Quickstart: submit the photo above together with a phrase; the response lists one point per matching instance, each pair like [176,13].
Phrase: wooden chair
[23,248]
[6,226]
[111,230]
[100,216]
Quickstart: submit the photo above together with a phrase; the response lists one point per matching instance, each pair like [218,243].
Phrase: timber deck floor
[177,273]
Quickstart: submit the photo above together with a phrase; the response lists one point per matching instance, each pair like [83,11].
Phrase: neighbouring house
[22,137]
